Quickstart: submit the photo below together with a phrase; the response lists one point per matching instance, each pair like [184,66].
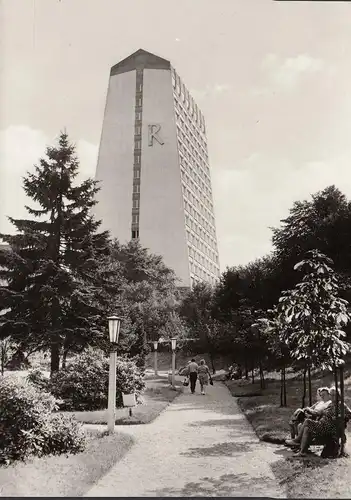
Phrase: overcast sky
[272,78]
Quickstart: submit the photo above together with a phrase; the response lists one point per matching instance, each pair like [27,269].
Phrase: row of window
[204,261]
[191,200]
[201,192]
[185,156]
[200,245]
[187,99]
[188,121]
[201,177]
[200,233]
[199,272]
[201,189]
[188,140]
[192,144]
[199,218]
[137,155]
[195,279]
[205,199]
[200,206]
[192,224]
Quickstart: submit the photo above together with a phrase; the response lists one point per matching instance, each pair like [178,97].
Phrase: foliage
[28,425]
[51,294]
[197,312]
[315,314]
[322,223]
[252,285]
[83,384]
[144,290]
[7,349]
[38,379]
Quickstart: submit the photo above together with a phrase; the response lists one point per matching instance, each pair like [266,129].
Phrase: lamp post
[155,356]
[174,345]
[114,324]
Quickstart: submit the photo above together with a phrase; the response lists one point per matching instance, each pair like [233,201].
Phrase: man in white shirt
[192,371]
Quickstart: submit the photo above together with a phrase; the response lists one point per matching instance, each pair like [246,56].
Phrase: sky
[273,80]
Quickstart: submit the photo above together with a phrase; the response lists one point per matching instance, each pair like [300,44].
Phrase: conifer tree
[52,295]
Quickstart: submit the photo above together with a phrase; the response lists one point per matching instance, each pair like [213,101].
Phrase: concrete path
[199,446]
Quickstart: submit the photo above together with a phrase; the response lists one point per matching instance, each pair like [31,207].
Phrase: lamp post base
[112,393]
[173,369]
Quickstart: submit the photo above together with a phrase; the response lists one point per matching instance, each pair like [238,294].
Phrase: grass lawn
[312,477]
[157,397]
[65,476]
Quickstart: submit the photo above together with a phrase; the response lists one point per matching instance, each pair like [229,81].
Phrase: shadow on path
[226,485]
[220,422]
[219,450]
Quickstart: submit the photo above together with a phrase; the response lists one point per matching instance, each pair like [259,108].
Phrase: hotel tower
[154,170]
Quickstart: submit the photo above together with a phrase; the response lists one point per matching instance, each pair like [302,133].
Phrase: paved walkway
[199,446]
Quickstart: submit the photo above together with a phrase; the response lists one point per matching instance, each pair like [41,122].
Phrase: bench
[331,444]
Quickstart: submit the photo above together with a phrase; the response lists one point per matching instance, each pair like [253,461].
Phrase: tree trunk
[304,389]
[281,388]
[309,385]
[262,380]
[64,358]
[284,387]
[3,355]
[337,399]
[212,361]
[55,358]
[253,375]
[342,412]
[246,369]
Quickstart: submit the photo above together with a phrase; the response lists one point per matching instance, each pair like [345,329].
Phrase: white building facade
[154,170]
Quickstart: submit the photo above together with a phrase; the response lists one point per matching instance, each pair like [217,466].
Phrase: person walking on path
[192,372]
[204,375]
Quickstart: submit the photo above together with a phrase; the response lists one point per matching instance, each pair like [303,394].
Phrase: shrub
[28,425]
[83,384]
[63,434]
[38,379]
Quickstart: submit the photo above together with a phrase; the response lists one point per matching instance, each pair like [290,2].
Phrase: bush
[83,384]
[63,434]
[38,379]
[28,425]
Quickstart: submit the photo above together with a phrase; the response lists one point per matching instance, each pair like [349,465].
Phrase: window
[135,203]
[136,188]
[135,233]
[137,144]
[138,130]
[137,159]
[137,174]
[139,101]
[135,219]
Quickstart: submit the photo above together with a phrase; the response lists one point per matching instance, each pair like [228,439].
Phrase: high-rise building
[154,169]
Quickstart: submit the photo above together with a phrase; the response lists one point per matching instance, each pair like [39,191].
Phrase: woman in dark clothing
[323,428]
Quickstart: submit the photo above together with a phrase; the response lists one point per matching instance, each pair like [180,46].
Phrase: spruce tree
[53,294]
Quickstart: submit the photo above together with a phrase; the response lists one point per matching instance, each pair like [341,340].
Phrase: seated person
[326,427]
[323,401]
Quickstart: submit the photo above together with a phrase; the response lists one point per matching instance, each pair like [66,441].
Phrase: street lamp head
[114,324]
[174,343]
[155,344]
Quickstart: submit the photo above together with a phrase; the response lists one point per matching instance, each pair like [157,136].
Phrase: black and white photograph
[175,248]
